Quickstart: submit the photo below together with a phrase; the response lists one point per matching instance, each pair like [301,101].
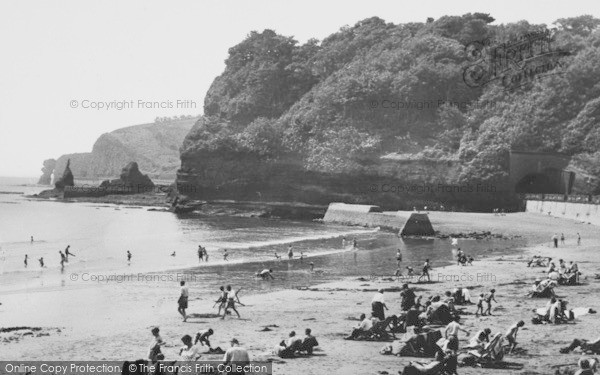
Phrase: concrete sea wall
[584,212]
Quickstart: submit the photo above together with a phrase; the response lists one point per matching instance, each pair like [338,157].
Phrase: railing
[594,199]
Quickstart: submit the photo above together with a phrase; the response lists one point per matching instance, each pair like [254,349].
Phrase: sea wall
[584,212]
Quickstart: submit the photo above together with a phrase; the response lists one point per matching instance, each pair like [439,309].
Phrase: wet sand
[120,330]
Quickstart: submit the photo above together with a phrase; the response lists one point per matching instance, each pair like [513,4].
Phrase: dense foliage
[375,88]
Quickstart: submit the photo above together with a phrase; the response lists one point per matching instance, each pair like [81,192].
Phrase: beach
[121,328]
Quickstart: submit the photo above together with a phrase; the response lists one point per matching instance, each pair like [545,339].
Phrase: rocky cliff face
[46,177]
[154,146]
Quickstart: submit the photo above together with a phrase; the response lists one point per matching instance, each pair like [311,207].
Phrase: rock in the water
[131,180]
[66,179]
[46,177]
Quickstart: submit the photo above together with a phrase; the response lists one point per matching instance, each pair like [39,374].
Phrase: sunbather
[480,339]
[590,347]
[365,326]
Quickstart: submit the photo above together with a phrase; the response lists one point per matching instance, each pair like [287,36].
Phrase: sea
[164,247]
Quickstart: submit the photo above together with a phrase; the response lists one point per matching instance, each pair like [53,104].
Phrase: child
[409,270]
[479,305]
[511,335]
[488,300]
[157,342]
[470,261]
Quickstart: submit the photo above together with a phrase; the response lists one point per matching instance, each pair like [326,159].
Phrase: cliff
[154,146]
[382,114]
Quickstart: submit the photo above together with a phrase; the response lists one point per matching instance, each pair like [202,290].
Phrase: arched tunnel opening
[536,183]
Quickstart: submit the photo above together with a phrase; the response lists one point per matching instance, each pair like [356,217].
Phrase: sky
[61,60]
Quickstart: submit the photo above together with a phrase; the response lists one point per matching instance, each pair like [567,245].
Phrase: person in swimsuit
[230,303]
[182,302]
[426,268]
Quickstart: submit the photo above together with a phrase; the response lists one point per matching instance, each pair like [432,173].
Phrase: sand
[120,329]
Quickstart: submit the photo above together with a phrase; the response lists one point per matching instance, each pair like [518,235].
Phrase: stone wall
[584,212]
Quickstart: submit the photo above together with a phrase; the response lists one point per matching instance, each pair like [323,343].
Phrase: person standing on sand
[354,243]
[511,335]
[230,303]
[62,259]
[399,258]
[128,256]
[344,242]
[25,261]
[555,240]
[41,260]
[378,304]
[578,239]
[562,238]
[225,255]
[426,268]
[312,266]
[301,257]
[290,252]
[488,299]
[183,300]
[222,300]
[31,239]
[200,254]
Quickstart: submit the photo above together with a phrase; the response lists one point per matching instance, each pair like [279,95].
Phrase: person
[290,252]
[230,303]
[266,274]
[236,357]
[378,304]
[68,253]
[562,238]
[225,255]
[25,261]
[62,260]
[277,256]
[301,257]
[410,270]
[205,255]
[488,300]
[470,261]
[578,239]
[426,268]
[452,330]
[408,297]
[222,300]
[480,339]
[41,260]
[585,345]
[128,256]
[288,348]
[173,254]
[459,256]
[479,305]
[354,243]
[584,367]
[31,239]
[200,254]
[555,240]
[309,342]
[344,242]
[203,335]
[157,342]
[312,266]
[365,325]
[399,257]
[511,335]
[189,352]
[183,300]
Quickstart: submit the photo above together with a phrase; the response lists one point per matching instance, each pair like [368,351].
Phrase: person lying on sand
[589,347]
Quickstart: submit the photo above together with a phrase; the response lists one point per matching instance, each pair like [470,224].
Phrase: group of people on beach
[555,239]
[202,254]
[64,258]
[192,349]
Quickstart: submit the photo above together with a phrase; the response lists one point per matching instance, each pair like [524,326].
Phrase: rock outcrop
[46,177]
[130,179]
[67,178]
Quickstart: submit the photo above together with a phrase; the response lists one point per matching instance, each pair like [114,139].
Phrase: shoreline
[327,307]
